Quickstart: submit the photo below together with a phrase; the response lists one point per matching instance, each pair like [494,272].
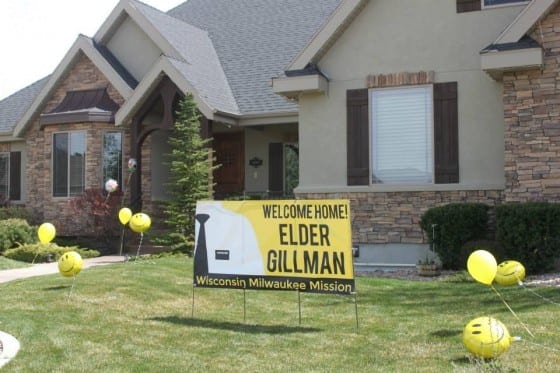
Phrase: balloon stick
[71,288]
[512,312]
[538,295]
[139,245]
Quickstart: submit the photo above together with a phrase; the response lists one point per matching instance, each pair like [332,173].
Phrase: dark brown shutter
[275,168]
[468,5]
[15,176]
[446,148]
[357,137]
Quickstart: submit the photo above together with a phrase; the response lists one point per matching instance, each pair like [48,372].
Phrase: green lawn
[136,317]
[6,263]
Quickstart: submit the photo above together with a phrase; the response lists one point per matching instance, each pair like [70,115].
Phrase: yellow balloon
[482,266]
[510,272]
[140,222]
[486,337]
[46,232]
[124,215]
[70,264]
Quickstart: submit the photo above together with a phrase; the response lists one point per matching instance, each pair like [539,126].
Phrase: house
[396,105]
[406,105]
[113,97]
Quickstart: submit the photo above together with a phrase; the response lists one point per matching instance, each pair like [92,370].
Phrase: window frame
[69,194]
[429,89]
[509,3]
[104,176]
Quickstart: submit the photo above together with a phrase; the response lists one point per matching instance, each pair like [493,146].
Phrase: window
[69,161]
[10,176]
[412,136]
[402,121]
[488,3]
[4,175]
[475,5]
[112,157]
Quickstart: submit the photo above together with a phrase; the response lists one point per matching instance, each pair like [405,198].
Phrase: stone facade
[83,75]
[532,122]
[383,217]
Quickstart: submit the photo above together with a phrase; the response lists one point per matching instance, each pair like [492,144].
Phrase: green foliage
[42,253]
[454,225]
[190,171]
[530,234]
[14,232]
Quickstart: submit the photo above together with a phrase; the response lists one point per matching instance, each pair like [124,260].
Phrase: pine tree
[191,169]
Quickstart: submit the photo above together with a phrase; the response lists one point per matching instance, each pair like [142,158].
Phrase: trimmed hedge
[42,253]
[530,233]
[455,224]
[14,232]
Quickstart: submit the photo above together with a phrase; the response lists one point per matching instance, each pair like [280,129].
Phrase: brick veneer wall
[532,122]
[83,75]
[383,217]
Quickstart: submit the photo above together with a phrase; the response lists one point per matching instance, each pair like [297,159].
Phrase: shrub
[96,213]
[14,232]
[453,225]
[530,234]
[41,253]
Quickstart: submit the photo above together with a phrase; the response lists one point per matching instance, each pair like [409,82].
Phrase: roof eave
[495,63]
[292,87]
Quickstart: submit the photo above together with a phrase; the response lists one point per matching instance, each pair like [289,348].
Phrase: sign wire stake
[192,307]
[299,305]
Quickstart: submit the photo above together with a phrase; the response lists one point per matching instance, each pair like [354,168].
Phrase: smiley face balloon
[140,222]
[509,273]
[70,264]
[486,337]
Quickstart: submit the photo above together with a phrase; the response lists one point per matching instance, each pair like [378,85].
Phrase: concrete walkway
[50,268]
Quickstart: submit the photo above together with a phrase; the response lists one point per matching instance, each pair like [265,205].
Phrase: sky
[36,34]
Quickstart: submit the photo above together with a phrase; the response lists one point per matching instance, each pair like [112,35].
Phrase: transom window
[402,133]
[112,157]
[69,163]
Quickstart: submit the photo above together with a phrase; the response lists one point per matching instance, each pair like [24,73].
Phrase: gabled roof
[186,48]
[83,45]
[224,52]
[13,107]
[255,40]
[328,34]
[525,21]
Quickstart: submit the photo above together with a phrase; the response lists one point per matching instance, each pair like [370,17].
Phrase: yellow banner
[301,245]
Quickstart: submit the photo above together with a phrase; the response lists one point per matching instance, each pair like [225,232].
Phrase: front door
[230,155]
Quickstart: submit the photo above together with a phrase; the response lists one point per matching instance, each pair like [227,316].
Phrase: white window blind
[402,133]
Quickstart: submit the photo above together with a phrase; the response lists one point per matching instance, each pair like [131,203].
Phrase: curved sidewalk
[50,268]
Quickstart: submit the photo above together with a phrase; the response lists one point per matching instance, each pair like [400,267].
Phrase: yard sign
[300,245]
